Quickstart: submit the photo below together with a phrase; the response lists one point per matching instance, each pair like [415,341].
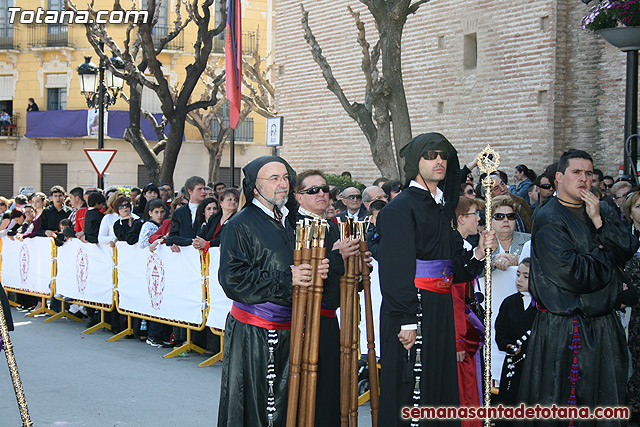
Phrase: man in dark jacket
[54,213]
[184,224]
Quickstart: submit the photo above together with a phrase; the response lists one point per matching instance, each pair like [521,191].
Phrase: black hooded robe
[412,226]
[256,253]
[575,279]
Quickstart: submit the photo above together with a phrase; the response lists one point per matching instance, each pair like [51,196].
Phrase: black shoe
[155,342]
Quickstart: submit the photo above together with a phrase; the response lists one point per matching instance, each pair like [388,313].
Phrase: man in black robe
[257,273]
[421,255]
[577,352]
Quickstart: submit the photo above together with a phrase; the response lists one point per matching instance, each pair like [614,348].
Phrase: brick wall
[541,83]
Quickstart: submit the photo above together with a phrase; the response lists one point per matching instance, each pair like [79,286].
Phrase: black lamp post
[98,93]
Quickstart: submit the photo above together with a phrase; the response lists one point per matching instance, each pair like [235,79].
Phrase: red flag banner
[233,59]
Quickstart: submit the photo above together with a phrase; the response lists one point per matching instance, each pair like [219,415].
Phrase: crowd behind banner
[152,253]
[178,287]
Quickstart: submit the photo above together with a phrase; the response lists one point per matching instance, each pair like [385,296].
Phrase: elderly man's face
[318,202]
[351,198]
[374,193]
[273,184]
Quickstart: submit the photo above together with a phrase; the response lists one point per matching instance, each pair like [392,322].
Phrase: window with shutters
[244,131]
[52,174]
[6,29]
[150,100]
[6,180]
[224,175]
[143,176]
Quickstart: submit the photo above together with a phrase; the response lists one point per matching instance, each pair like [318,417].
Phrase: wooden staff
[13,370]
[313,335]
[297,327]
[344,395]
[368,310]
[354,267]
[488,162]
[306,349]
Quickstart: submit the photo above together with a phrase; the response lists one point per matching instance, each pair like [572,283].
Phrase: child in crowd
[65,232]
[155,214]
[157,333]
[93,217]
[513,328]
[126,228]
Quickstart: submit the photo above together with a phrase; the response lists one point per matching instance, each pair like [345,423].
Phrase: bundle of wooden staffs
[349,321]
[305,325]
[13,370]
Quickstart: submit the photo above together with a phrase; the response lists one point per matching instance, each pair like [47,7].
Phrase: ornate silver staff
[488,162]
[13,370]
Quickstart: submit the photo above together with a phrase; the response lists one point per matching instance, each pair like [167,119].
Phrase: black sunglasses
[608,185]
[315,189]
[501,216]
[470,192]
[354,197]
[397,188]
[545,186]
[433,154]
[124,205]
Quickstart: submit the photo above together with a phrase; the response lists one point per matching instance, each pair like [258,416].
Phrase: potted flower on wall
[617,21]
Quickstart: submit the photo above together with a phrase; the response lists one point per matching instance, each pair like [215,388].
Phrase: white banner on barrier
[85,271]
[27,265]
[219,304]
[161,283]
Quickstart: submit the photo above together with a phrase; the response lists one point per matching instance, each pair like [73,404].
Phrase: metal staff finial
[488,162]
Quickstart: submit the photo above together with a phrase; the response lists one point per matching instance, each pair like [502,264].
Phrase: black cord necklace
[564,202]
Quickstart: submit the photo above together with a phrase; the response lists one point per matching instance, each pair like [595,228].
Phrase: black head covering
[413,151]
[251,176]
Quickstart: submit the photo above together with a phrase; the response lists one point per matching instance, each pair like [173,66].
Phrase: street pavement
[71,379]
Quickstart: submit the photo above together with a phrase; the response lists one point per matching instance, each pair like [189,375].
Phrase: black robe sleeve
[256,255]
[397,272]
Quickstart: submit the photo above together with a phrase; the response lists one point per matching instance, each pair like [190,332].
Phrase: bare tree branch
[415,6]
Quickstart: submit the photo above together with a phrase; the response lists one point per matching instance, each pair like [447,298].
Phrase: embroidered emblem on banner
[24,264]
[155,280]
[82,270]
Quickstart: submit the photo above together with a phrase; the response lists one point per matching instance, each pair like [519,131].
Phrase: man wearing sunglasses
[312,194]
[421,254]
[578,247]
[352,199]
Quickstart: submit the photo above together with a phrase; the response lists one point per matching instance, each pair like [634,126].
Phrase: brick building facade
[522,76]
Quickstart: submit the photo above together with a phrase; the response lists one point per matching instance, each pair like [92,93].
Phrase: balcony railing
[244,132]
[49,35]
[7,37]
[159,32]
[249,42]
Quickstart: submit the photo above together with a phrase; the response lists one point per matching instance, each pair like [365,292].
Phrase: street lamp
[98,93]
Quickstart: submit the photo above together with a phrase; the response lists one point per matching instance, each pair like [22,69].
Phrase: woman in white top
[106,234]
